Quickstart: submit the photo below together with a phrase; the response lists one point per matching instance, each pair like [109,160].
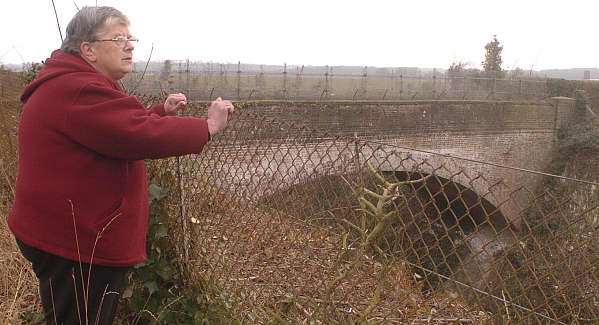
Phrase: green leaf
[152,286]
[156,193]
[199,318]
[141,265]
[161,231]
[166,273]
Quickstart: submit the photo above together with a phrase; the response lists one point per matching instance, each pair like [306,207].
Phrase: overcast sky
[425,33]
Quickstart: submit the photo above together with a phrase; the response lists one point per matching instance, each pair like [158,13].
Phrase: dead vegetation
[274,266]
[19,301]
[266,262]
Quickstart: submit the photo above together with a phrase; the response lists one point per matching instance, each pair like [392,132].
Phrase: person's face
[113,58]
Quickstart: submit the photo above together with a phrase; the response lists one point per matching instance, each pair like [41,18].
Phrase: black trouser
[66,293]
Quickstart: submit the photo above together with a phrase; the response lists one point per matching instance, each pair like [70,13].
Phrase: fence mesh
[298,225]
[241,82]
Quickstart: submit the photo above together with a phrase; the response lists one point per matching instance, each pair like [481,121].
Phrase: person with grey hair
[80,213]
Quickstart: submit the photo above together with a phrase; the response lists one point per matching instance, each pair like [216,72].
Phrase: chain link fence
[300,226]
[203,81]
[297,225]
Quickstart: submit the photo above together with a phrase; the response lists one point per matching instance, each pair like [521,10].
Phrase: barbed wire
[235,82]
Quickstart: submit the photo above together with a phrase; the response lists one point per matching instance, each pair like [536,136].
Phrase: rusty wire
[525,170]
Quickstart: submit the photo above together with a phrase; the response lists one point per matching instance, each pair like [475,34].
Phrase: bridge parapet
[288,143]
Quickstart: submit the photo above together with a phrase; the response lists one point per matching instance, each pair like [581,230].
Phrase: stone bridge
[271,146]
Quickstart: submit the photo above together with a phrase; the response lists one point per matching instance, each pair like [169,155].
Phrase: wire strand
[57,21]
[483,292]
[481,162]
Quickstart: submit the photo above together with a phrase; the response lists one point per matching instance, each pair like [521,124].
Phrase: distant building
[587,75]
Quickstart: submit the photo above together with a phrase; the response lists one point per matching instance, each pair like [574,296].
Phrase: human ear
[88,52]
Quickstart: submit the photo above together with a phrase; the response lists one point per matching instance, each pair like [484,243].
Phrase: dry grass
[274,266]
[269,264]
[260,258]
[268,260]
[18,285]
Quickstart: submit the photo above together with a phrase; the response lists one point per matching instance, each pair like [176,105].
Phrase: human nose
[129,46]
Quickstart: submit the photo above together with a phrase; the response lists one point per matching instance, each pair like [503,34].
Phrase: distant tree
[492,62]
[457,68]
[460,69]
[516,73]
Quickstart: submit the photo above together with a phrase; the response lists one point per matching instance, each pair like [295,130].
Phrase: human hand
[218,113]
[174,103]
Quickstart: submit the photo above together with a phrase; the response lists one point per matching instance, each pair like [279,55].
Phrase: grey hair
[86,24]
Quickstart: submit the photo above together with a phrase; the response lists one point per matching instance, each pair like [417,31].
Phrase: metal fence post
[434,91]
[520,88]
[445,90]
[393,85]
[179,84]
[187,78]
[356,152]
[284,80]
[223,79]
[330,86]
[298,80]
[209,80]
[364,85]
[182,211]
[260,81]
[400,86]
[238,80]
[325,91]
[494,92]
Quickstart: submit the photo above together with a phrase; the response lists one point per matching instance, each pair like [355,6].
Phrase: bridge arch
[442,225]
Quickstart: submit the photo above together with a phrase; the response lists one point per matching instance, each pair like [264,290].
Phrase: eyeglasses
[120,41]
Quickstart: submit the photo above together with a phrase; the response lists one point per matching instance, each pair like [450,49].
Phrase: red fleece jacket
[81,175]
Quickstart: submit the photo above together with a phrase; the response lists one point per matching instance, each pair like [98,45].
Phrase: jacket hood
[59,63]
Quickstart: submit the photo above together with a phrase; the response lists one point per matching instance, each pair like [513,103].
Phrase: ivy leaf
[151,286]
[166,273]
[160,232]
[199,318]
[141,265]
[156,193]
